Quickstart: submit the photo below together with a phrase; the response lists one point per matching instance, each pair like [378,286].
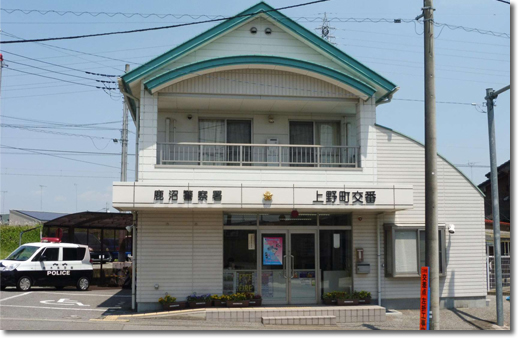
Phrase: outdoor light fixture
[271,119]
[451,228]
[156,286]
[253,30]
[190,117]
[295,213]
[129,228]
[268,30]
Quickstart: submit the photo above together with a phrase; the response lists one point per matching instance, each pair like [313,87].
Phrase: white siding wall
[401,160]
[258,82]
[180,251]
[241,42]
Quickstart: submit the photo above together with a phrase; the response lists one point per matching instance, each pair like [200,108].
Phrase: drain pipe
[379,220]
[388,98]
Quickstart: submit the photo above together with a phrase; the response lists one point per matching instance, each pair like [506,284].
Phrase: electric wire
[57,156]
[66,67]
[13,126]
[221,18]
[57,72]
[158,28]
[67,81]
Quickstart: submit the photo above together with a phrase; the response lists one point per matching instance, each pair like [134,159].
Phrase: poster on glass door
[273,251]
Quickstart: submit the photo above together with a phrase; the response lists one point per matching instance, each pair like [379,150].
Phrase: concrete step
[324,320]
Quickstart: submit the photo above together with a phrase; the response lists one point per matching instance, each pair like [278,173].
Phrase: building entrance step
[342,314]
[324,320]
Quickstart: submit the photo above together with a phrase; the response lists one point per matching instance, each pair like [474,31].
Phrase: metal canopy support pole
[491,95]
[432,233]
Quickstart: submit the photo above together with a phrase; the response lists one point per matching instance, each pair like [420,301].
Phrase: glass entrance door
[288,267]
[302,288]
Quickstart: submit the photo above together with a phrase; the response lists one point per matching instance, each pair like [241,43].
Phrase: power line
[56,123]
[41,175]
[506,2]
[66,67]
[57,72]
[51,155]
[67,81]
[79,152]
[48,94]
[53,132]
[157,28]
[52,47]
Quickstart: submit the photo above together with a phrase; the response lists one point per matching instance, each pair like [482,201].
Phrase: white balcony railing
[279,155]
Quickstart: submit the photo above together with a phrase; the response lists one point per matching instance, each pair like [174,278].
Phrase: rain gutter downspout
[388,98]
[134,229]
[379,223]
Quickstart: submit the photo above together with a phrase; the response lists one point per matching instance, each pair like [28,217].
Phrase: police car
[47,264]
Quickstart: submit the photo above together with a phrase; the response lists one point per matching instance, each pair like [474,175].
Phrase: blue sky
[466,64]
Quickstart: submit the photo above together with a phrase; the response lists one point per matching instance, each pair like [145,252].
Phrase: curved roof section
[91,219]
[250,61]
[438,155]
[282,20]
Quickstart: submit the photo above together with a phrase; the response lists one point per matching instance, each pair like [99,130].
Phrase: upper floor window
[314,133]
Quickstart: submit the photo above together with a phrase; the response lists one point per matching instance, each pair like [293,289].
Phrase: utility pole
[41,196]
[432,228]
[1,67]
[124,137]
[491,95]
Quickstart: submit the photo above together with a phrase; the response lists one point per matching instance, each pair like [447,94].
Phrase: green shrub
[10,237]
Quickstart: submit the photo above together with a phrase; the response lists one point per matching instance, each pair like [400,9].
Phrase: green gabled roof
[193,68]
[227,25]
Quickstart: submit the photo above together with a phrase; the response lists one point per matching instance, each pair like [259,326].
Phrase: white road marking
[15,296]
[63,302]
[79,309]
[85,294]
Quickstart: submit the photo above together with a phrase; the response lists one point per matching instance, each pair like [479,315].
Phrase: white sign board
[132,196]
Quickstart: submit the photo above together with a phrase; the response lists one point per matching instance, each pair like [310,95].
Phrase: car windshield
[23,253]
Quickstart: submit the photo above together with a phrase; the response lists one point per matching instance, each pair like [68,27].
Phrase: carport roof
[90,219]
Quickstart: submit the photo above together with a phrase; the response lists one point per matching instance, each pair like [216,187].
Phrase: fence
[506,272]
[257,155]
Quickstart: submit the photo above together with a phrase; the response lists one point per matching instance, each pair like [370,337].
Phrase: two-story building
[261,168]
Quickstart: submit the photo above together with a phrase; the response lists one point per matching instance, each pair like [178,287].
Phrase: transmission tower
[326,30]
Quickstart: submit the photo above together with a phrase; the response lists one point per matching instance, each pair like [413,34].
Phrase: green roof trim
[260,60]
[439,155]
[227,25]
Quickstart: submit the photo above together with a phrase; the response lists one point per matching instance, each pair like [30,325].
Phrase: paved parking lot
[59,309]
[109,309]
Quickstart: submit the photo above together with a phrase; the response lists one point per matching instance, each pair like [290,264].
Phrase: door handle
[292,266]
[64,264]
[284,266]
[54,264]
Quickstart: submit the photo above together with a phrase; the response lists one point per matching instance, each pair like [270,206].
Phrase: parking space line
[15,296]
[80,309]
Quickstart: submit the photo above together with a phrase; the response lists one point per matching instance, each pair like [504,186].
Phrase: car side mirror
[43,258]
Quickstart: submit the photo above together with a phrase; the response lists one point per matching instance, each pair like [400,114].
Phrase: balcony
[273,155]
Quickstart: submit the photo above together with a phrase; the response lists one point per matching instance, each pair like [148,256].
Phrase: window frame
[389,254]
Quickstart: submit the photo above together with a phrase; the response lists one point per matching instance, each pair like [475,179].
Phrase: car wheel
[24,283]
[83,283]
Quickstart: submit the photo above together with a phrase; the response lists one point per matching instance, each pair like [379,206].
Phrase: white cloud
[60,198]
[96,196]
